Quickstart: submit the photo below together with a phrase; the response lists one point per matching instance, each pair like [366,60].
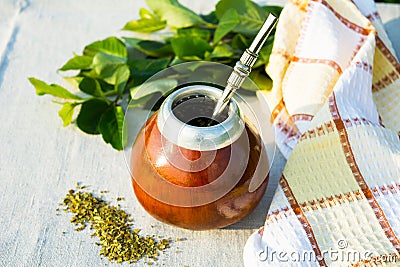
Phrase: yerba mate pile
[118,241]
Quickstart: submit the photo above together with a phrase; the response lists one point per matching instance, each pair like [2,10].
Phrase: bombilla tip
[218,108]
[263,34]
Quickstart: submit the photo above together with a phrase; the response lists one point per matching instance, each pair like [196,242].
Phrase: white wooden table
[40,160]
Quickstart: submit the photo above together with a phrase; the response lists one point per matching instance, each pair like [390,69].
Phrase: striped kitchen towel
[336,111]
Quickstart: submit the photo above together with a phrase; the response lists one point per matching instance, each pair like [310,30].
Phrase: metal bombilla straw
[243,67]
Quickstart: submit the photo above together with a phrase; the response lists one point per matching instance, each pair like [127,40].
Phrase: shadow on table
[392,28]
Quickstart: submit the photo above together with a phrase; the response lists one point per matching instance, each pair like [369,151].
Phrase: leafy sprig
[109,71]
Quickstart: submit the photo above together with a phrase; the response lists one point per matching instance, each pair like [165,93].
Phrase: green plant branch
[110,70]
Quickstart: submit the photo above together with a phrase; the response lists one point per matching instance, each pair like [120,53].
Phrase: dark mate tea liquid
[197,110]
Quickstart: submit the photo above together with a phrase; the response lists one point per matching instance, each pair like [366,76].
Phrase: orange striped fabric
[335,107]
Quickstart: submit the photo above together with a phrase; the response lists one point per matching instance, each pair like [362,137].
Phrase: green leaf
[134,103]
[112,127]
[89,116]
[66,112]
[43,88]
[210,18]
[121,78]
[150,64]
[90,73]
[106,87]
[188,48]
[154,48]
[174,13]
[163,86]
[265,52]
[222,51]
[241,6]
[77,63]
[251,15]
[73,80]
[133,52]
[275,10]
[176,61]
[151,94]
[90,86]
[195,32]
[106,66]
[146,14]
[229,20]
[239,42]
[249,26]
[111,46]
[145,25]
[142,69]
[260,78]
[132,41]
